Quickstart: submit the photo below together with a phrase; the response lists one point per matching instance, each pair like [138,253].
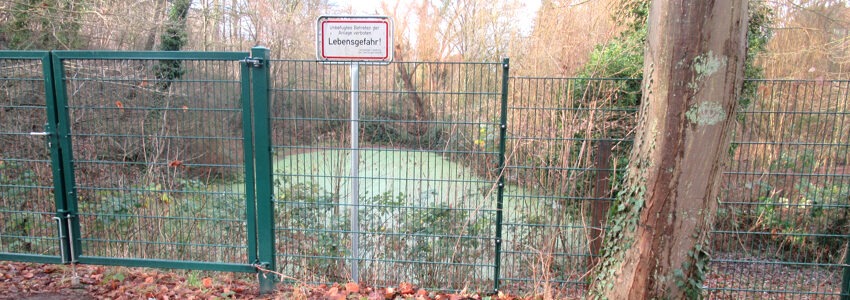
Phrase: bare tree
[563,35]
[812,40]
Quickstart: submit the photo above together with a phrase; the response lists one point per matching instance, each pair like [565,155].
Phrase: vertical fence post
[52,129]
[599,206]
[845,279]
[263,166]
[63,134]
[248,156]
[503,128]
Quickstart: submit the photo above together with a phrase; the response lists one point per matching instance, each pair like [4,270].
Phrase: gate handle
[61,238]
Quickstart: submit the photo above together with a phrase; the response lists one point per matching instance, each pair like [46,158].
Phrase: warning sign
[354,39]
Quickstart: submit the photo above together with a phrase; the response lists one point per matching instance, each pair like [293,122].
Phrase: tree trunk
[159,12]
[693,73]
[421,108]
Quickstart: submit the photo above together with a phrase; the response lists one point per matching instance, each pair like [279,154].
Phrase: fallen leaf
[207,282]
[389,293]
[406,288]
[49,269]
[335,294]
[352,287]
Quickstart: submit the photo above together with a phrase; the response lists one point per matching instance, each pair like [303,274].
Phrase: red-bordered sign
[354,39]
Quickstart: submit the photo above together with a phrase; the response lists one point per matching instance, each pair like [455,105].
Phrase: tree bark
[693,73]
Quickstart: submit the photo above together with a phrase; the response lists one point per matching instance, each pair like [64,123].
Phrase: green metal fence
[783,227]
[428,179]
[465,177]
[146,150]
[155,141]
[568,141]
[28,191]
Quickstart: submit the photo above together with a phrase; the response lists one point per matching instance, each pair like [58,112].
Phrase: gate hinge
[253,62]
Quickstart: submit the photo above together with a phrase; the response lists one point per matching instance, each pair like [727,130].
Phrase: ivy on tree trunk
[660,224]
[173,39]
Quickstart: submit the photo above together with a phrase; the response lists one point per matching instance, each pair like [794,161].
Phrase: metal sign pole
[355,168]
[354,40]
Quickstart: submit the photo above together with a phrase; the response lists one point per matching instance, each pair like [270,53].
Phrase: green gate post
[56,158]
[845,279]
[503,130]
[248,156]
[263,167]
[63,134]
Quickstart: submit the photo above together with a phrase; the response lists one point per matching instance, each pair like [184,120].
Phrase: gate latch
[48,132]
[253,62]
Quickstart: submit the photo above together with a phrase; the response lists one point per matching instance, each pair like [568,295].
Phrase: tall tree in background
[466,30]
[564,33]
[812,41]
[693,75]
[43,24]
[173,39]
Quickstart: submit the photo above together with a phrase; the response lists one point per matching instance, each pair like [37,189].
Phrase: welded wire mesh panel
[567,144]
[428,169]
[158,158]
[783,222]
[26,180]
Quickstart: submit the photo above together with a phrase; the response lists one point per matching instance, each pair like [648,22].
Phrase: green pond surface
[424,177]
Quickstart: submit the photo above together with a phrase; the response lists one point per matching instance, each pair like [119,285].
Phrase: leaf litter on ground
[33,281]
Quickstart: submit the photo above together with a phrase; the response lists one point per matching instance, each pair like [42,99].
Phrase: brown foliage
[811,40]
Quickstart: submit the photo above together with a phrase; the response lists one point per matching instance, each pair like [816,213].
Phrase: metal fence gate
[31,202]
[151,156]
